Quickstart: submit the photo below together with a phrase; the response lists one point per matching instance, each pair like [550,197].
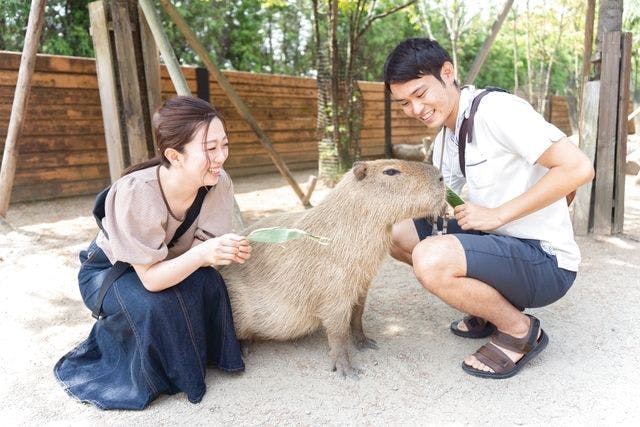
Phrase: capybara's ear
[360,170]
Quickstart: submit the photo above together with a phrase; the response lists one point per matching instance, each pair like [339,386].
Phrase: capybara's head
[395,189]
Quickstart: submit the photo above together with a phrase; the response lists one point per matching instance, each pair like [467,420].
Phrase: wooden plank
[63,143]
[48,96]
[621,140]
[131,109]
[151,60]
[27,65]
[50,63]
[46,127]
[54,159]
[582,206]
[107,83]
[51,80]
[165,47]
[607,125]
[62,174]
[56,190]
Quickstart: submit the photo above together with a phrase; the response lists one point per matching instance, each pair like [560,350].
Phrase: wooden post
[607,126]
[582,206]
[484,51]
[586,63]
[107,86]
[233,96]
[151,59]
[20,98]
[178,80]
[621,140]
[388,143]
[129,84]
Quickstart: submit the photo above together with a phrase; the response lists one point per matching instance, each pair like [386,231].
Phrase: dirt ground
[587,375]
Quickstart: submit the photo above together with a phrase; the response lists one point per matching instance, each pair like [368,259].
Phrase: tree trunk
[484,51]
[609,19]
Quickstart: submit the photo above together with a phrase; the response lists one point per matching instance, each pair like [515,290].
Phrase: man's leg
[404,238]
[441,267]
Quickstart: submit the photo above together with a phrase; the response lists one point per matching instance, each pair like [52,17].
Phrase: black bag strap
[192,214]
[465,135]
[120,267]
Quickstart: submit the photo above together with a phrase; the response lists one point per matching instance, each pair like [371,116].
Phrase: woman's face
[205,155]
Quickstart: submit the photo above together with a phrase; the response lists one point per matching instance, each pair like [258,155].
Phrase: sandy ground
[587,375]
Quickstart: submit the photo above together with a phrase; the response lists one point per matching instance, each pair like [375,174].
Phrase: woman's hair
[174,124]
[415,58]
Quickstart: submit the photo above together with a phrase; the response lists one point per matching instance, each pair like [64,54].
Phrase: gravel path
[587,375]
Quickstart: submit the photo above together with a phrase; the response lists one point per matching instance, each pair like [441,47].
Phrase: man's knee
[403,239]
[437,260]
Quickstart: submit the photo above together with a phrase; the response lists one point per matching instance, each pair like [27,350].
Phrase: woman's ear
[173,156]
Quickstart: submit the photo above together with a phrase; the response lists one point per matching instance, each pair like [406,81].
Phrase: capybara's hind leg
[360,340]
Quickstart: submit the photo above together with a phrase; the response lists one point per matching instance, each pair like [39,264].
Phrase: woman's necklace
[166,202]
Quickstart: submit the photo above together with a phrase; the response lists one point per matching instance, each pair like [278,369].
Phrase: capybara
[290,290]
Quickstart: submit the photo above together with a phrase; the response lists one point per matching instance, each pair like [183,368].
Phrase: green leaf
[453,199]
[281,235]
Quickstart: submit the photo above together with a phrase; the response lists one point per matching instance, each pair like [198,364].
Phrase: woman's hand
[224,250]
[474,217]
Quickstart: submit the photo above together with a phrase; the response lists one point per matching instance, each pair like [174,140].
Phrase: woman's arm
[568,167]
[218,251]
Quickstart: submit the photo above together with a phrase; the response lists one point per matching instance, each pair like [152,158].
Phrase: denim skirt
[149,343]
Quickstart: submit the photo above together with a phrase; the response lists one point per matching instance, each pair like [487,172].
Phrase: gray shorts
[519,269]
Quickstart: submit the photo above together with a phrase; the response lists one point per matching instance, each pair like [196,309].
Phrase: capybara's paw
[361,341]
[245,347]
[344,369]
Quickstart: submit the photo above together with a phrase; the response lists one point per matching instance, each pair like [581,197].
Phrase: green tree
[65,32]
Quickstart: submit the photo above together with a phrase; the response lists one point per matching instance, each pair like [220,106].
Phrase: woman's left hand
[474,217]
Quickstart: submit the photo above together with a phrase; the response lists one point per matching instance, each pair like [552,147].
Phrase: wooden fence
[62,150]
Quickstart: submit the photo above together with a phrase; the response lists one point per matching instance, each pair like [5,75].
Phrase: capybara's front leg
[338,335]
[360,340]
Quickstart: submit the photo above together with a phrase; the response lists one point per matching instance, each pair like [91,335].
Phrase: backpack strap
[119,268]
[465,134]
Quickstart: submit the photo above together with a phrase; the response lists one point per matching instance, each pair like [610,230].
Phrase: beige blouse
[139,225]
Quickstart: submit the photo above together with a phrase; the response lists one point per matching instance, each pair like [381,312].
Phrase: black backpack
[120,267]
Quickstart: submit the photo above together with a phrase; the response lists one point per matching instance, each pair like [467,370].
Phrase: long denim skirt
[149,343]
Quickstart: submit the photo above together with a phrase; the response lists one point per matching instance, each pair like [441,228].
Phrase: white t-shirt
[508,138]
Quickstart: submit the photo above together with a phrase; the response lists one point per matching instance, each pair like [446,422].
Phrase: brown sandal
[477,327]
[502,365]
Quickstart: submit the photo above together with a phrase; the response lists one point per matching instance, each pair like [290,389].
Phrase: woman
[168,317]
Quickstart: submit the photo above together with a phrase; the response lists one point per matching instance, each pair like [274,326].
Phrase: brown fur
[290,290]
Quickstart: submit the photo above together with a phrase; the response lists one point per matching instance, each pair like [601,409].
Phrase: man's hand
[474,217]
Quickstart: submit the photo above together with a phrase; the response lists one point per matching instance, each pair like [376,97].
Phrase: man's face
[428,100]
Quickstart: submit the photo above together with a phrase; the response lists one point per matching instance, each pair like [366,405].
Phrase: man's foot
[505,355]
[472,327]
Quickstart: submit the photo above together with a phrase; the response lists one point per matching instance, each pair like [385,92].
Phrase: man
[511,245]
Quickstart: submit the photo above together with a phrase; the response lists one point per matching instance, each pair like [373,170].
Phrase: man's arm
[568,167]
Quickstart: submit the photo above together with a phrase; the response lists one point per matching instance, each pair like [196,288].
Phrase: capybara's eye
[391,171]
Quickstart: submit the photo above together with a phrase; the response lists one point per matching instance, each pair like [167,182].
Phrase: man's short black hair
[415,58]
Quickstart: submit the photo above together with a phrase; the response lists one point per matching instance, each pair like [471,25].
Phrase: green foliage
[65,31]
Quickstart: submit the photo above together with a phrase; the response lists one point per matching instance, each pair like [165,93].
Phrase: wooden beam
[586,62]
[621,139]
[237,102]
[486,47]
[166,50]
[129,82]
[582,206]
[20,98]
[107,87]
[607,126]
